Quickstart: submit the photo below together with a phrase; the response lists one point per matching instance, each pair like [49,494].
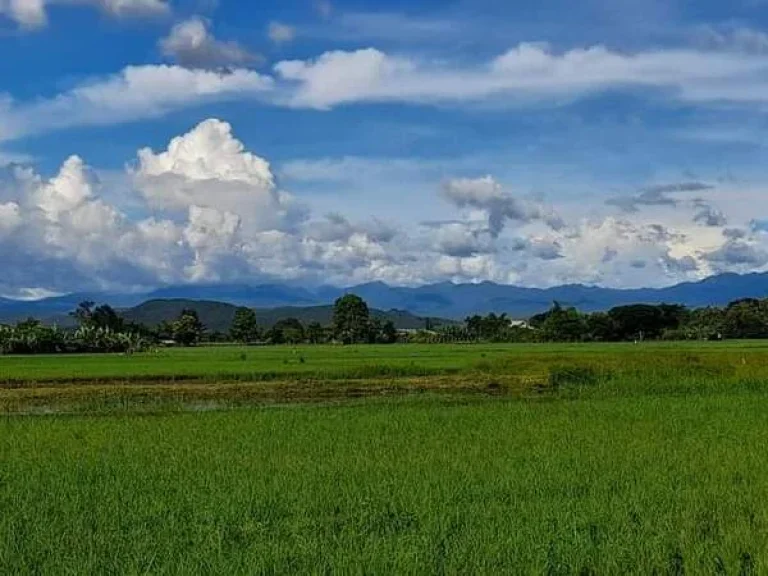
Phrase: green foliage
[743,319]
[316,334]
[245,328]
[489,328]
[646,322]
[351,320]
[388,333]
[746,319]
[188,330]
[564,325]
[288,331]
[31,337]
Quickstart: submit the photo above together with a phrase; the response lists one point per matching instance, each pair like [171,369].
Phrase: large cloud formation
[527,73]
[210,210]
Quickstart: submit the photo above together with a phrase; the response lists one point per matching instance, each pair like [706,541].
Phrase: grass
[329,362]
[499,459]
[629,485]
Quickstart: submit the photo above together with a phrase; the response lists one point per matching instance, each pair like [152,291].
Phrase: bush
[32,337]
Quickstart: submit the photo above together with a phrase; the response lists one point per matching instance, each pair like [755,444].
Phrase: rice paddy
[617,459]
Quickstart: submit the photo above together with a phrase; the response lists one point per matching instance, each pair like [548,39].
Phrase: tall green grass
[607,460]
[618,485]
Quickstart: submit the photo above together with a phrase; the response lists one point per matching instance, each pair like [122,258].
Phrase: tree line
[741,319]
[99,330]
[102,329]
[352,324]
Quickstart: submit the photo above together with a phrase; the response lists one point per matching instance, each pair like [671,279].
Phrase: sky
[146,143]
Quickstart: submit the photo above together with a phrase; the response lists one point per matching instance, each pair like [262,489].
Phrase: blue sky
[148,142]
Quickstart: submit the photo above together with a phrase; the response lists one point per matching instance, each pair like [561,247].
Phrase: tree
[244,328]
[475,326]
[747,318]
[564,325]
[646,322]
[106,318]
[287,331]
[103,317]
[388,333]
[601,327]
[83,312]
[187,329]
[316,333]
[351,319]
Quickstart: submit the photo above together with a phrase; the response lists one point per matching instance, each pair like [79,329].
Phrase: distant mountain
[217,316]
[443,300]
[262,296]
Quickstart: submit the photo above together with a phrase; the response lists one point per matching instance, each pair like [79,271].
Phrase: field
[440,459]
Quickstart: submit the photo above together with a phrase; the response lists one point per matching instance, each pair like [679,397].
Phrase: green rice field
[615,459]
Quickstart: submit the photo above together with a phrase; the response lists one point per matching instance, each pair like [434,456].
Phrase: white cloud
[342,77]
[531,74]
[208,168]
[528,72]
[32,13]
[207,209]
[138,92]
[337,228]
[26,13]
[191,44]
[742,255]
[129,7]
[281,33]
[487,195]
[461,239]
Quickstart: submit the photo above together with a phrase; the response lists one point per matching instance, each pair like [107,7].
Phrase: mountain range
[445,300]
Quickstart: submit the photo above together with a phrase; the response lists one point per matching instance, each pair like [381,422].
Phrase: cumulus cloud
[32,13]
[205,208]
[138,92]
[280,33]
[487,195]
[337,228]
[209,168]
[545,249]
[61,234]
[459,239]
[191,44]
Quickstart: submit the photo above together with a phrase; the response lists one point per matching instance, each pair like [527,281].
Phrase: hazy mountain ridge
[443,300]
